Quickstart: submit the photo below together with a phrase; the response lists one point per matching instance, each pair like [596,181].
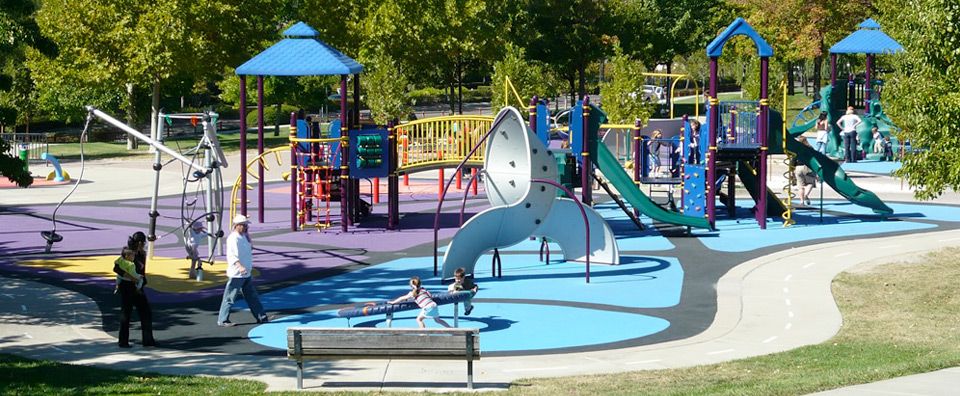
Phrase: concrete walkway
[766,305]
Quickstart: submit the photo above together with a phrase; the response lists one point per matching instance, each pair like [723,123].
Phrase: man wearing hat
[239,268]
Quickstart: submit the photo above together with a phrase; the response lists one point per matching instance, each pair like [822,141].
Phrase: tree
[19,34]
[622,99]
[566,34]
[386,89]
[119,45]
[801,29]
[527,77]
[923,95]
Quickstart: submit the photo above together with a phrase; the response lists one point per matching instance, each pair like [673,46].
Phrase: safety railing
[738,124]
[440,141]
[36,144]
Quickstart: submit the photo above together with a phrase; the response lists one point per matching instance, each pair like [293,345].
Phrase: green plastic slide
[620,180]
[830,172]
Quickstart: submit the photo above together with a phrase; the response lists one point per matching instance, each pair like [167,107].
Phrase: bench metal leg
[456,315]
[299,375]
[469,374]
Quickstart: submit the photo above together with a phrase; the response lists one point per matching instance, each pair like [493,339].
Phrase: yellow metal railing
[440,141]
[673,86]
[235,194]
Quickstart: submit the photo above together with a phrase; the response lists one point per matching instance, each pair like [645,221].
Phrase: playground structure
[520,173]
[207,177]
[57,175]
[325,167]
[859,94]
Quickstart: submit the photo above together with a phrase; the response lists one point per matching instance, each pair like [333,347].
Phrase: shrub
[270,115]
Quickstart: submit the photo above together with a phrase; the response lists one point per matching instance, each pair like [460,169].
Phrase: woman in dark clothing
[133,296]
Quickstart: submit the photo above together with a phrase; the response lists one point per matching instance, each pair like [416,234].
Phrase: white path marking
[890,246]
[768,340]
[10,296]
[643,362]
[789,302]
[790,314]
[786,291]
[719,352]
[787,279]
[23,307]
[60,349]
[809,265]
[28,336]
[788,326]
[535,369]
[843,254]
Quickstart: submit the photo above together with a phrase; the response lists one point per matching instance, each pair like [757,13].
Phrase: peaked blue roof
[869,24]
[301,54]
[869,39]
[739,26]
[301,30]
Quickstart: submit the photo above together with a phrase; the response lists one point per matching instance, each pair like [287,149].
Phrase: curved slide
[620,180]
[829,170]
[521,208]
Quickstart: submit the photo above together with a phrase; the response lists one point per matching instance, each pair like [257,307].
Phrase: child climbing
[191,241]
[423,298]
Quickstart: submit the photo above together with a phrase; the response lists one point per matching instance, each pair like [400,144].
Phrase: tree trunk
[154,111]
[276,120]
[790,79]
[669,94]
[582,72]
[817,68]
[131,115]
[460,83]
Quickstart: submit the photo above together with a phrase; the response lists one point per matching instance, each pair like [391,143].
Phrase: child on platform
[423,298]
[462,283]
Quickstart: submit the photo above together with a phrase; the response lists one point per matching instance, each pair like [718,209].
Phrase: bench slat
[378,341]
[391,354]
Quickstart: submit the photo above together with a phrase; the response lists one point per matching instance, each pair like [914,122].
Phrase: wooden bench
[376,343]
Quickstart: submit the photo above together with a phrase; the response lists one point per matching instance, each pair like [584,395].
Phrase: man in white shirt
[848,125]
[239,267]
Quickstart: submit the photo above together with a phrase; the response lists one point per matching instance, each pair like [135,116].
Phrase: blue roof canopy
[300,54]
[869,39]
[739,26]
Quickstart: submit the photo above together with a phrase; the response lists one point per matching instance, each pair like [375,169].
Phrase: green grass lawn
[898,319]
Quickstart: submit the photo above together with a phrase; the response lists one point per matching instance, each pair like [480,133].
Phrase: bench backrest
[382,343]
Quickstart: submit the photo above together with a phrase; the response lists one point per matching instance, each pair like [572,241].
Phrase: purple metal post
[712,152]
[637,160]
[684,154]
[391,172]
[260,181]
[586,221]
[833,70]
[344,154]
[243,145]
[293,173]
[867,85]
[586,165]
[762,139]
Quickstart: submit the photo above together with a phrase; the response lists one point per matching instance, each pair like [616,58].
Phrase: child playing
[127,270]
[887,149]
[191,241]
[877,140]
[462,283]
[423,298]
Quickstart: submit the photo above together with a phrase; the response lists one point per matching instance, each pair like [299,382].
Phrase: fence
[37,144]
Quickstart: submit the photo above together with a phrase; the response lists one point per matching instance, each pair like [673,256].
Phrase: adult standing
[848,125]
[133,296]
[239,268]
